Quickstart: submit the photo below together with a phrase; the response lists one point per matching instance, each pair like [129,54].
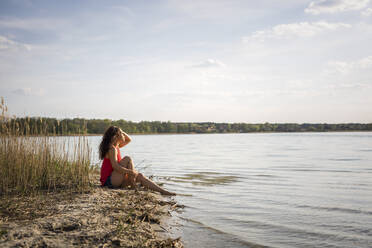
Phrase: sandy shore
[99,218]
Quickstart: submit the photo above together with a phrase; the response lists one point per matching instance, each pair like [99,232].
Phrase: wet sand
[101,217]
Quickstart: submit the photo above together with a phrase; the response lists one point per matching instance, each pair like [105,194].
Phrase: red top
[106,168]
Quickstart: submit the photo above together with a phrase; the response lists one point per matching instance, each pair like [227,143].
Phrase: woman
[117,172]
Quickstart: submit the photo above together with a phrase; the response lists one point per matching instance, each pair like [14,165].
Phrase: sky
[188,61]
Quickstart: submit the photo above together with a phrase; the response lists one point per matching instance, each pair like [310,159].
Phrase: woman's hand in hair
[124,139]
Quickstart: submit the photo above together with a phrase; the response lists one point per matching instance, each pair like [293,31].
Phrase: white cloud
[209,63]
[338,67]
[364,63]
[345,67]
[31,24]
[210,9]
[348,86]
[301,29]
[29,92]
[367,12]
[8,44]
[334,6]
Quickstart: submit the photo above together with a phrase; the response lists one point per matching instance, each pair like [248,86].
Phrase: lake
[263,189]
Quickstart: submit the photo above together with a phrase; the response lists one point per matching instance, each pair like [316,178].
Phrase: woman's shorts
[108,183]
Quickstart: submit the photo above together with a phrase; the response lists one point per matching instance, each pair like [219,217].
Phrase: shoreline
[100,217]
[140,134]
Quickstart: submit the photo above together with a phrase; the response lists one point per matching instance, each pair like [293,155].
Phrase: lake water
[264,189]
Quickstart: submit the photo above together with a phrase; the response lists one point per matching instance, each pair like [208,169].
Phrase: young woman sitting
[117,172]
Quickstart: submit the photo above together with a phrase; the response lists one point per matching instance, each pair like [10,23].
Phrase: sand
[101,217]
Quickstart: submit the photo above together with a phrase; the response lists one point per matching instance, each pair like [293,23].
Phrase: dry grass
[32,163]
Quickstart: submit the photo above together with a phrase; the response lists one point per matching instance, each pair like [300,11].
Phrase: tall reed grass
[31,163]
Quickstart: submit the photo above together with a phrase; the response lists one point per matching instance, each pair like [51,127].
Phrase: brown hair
[107,139]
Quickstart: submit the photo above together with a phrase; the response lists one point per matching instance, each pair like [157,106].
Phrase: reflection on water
[204,178]
[274,189]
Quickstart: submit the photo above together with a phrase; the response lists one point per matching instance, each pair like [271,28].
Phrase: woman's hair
[107,140]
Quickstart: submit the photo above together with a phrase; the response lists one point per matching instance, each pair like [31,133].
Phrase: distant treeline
[35,126]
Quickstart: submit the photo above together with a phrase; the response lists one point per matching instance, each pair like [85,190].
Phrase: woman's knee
[125,161]
[127,158]
[140,176]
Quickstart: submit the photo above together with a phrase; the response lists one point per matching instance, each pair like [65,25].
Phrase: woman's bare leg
[151,185]
[117,179]
[127,163]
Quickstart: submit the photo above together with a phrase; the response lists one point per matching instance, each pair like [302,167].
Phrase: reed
[30,163]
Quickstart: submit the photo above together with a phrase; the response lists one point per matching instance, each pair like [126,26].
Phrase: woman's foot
[147,183]
[165,192]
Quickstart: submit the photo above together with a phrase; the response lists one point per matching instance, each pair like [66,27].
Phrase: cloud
[333,6]
[29,92]
[211,9]
[8,44]
[301,29]
[208,63]
[348,86]
[367,12]
[345,67]
[32,23]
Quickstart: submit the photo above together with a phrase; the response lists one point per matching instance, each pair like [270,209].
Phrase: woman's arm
[113,156]
[125,139]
